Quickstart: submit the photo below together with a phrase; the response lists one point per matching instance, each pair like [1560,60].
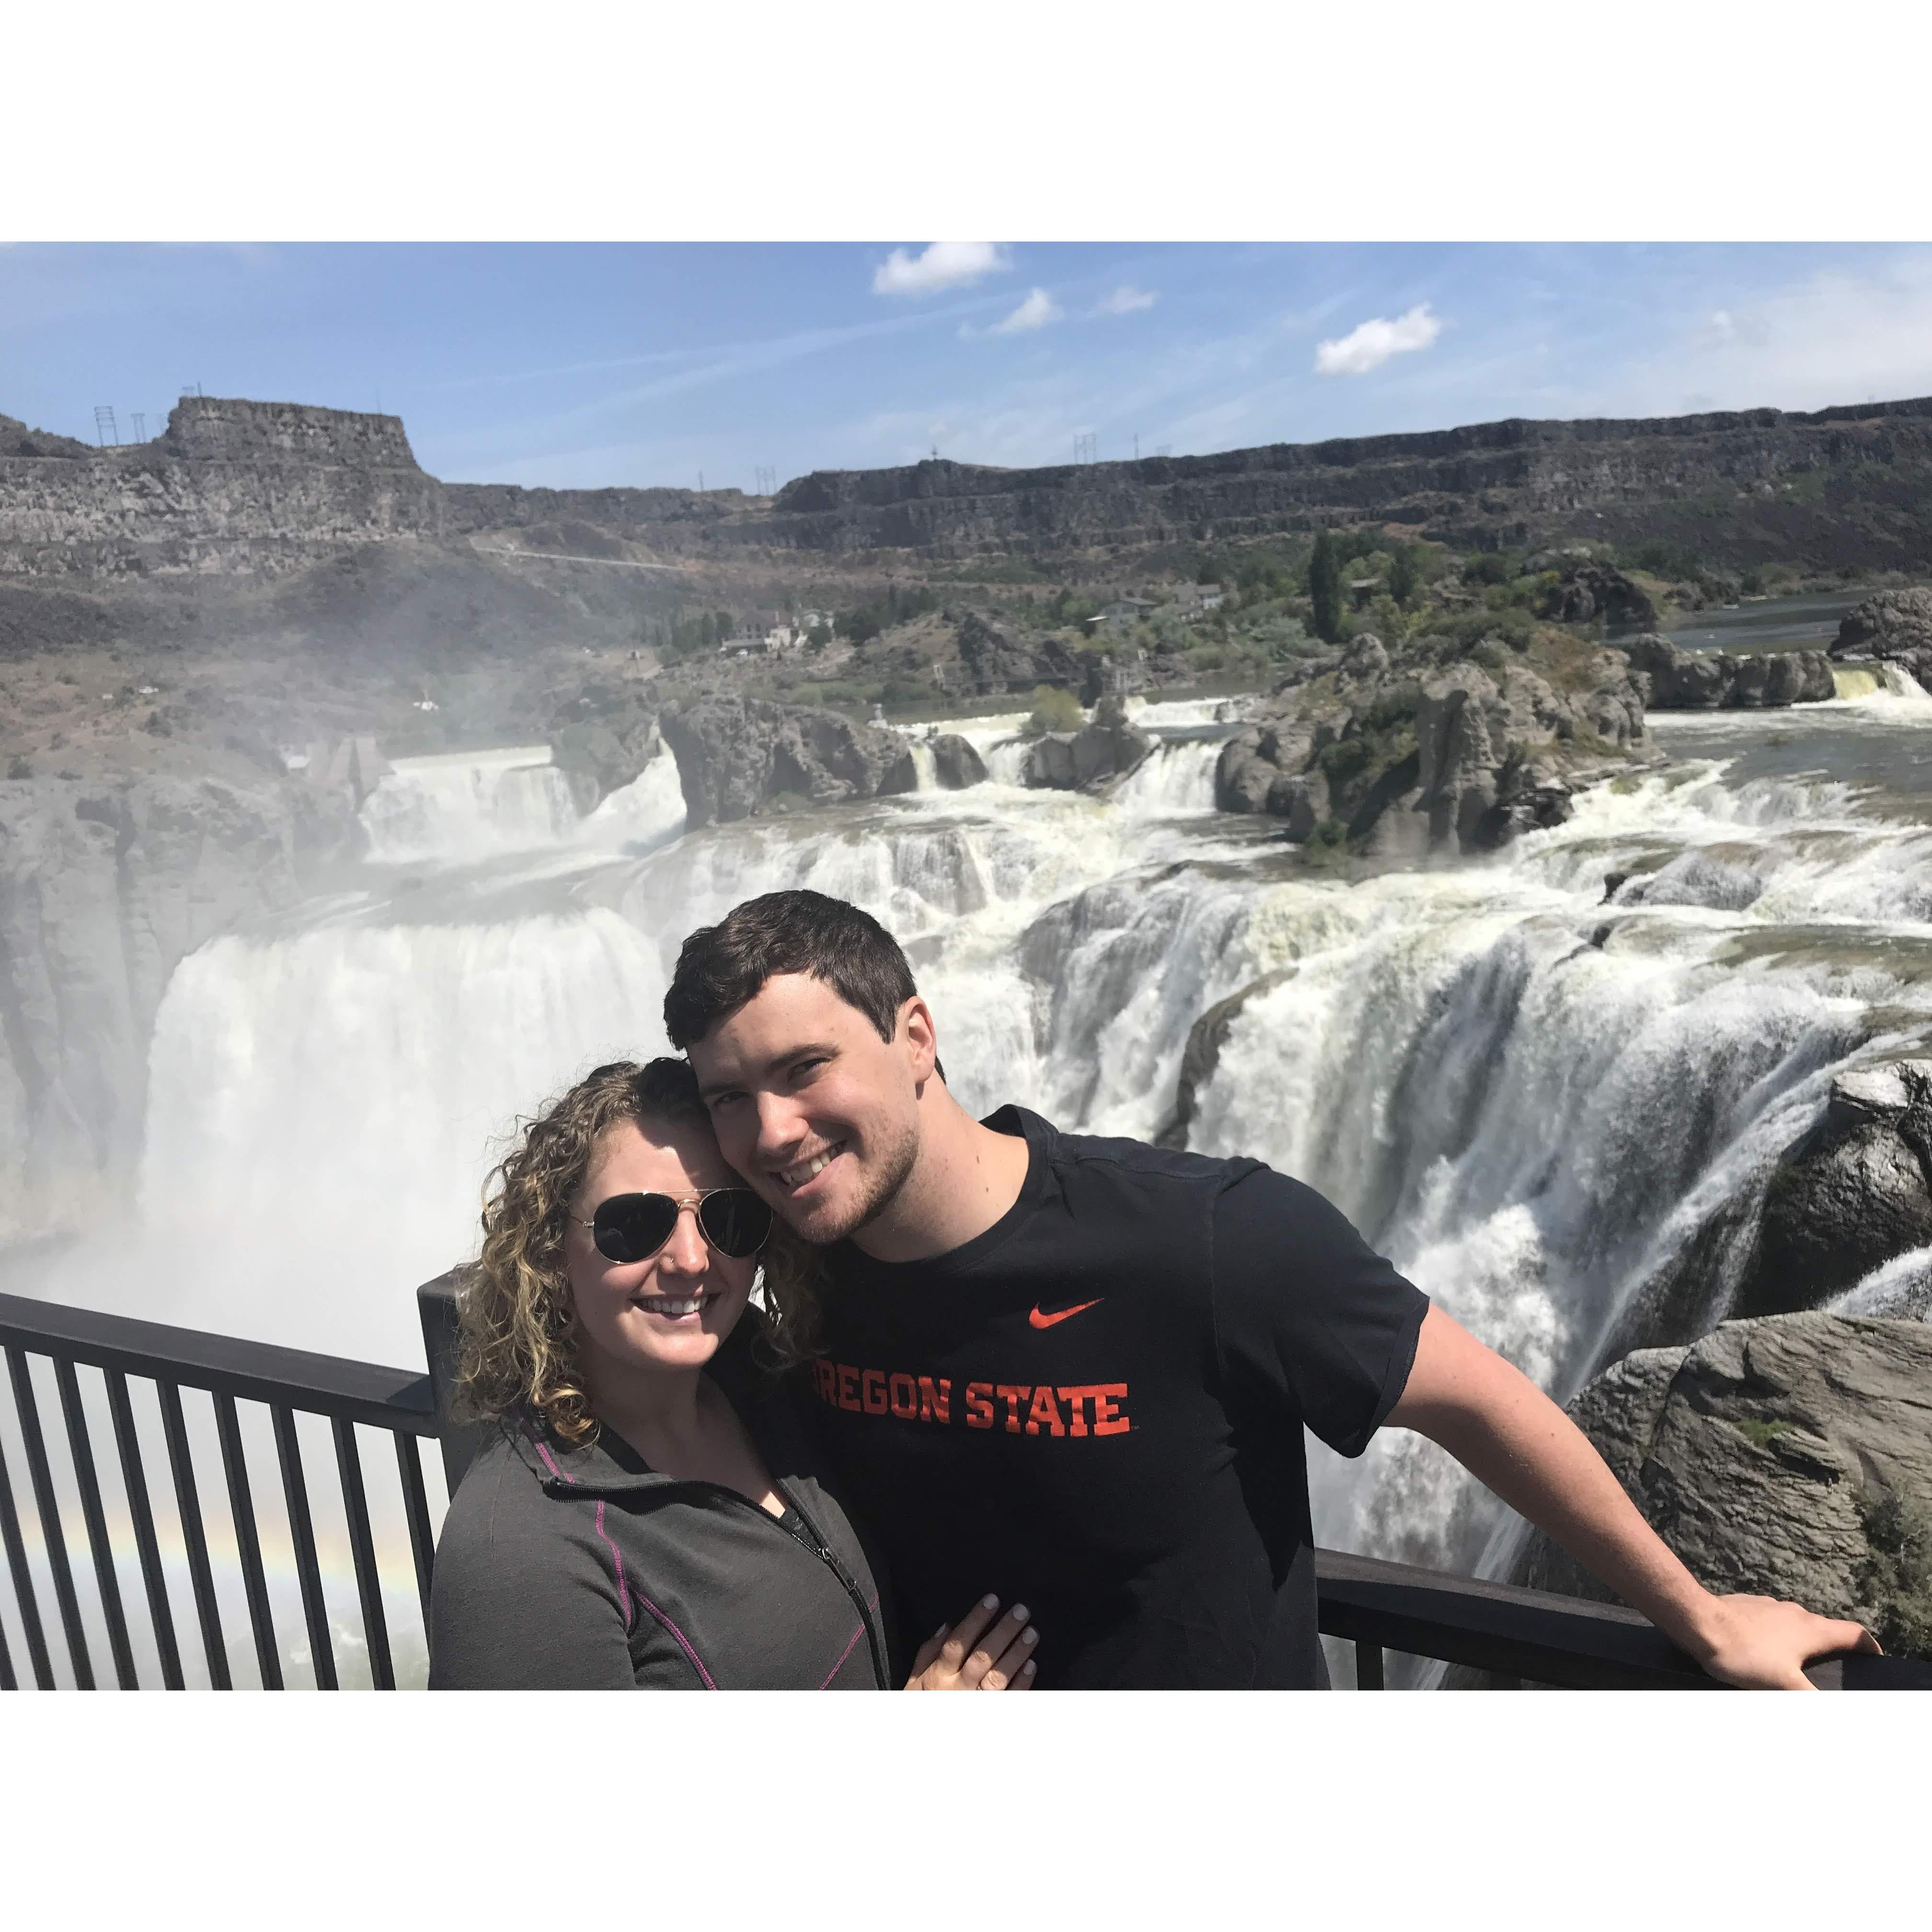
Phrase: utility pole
[1137,446]
[701,482]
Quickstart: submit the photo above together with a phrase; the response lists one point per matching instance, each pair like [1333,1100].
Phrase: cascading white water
[925,765]
[467,805]
[1177,775]
[1530,1097]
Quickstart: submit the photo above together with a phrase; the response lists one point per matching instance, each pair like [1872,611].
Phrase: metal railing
[288,1383]
[1524,1635]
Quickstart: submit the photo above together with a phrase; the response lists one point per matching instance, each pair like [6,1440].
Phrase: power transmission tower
[1165,449]
[140,425]
[1084,448]
[106,433]
[1137,446]
[768,479]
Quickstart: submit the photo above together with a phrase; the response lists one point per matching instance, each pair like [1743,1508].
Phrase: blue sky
[585,365]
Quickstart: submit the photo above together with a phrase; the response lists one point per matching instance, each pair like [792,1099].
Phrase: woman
[647,1510]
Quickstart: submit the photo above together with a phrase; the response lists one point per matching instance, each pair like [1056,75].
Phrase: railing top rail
[385,1398]
[1531,1633]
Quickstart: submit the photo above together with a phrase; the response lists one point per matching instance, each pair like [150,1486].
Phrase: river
[1530,1098]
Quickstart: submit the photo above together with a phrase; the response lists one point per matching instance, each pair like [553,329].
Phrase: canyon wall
[240,486]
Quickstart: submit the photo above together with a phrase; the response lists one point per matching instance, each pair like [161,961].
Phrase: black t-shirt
[1095,1408]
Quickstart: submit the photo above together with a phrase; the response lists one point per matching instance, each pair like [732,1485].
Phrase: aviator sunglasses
[633,1227]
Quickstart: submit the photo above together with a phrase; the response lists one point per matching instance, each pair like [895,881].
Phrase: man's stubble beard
[889,1178]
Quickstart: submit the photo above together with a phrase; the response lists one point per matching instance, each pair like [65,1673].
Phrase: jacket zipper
[815,1542]
[826,1554]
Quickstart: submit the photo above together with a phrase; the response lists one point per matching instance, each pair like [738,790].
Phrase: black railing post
[436,1307]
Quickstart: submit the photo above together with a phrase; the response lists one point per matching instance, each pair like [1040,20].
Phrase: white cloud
[1840,335]
[1035,312]
[1370,345]
[941,265]
[1125,300]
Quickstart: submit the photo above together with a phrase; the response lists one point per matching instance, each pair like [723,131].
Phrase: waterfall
[925,764]
[1177,775]
[468,805]
[1531,1079]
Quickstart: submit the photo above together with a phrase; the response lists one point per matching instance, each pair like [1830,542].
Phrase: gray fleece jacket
[563,1568]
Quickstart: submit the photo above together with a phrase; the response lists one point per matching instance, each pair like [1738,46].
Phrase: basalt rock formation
[1854,1193]
[737,756]
[956,762]
[1788,1456]
[1715,680]
[1107,747]
[1893,626]
[103,890]
[1436,744]
[261,488]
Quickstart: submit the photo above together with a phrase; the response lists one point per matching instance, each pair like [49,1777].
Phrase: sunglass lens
[633,1227]
[735,1221]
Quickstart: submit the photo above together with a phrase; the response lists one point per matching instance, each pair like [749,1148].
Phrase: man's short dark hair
[723,966]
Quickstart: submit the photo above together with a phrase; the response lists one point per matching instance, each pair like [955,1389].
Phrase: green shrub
[1054,710]
[1897,1583]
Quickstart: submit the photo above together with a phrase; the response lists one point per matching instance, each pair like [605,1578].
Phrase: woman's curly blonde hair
[518,1341]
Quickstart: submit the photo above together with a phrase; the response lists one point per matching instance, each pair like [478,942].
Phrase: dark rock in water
[956,762]
[1855,1193]
[1894,626]
[1108,747]
[737,755]
[1717,681]
[1202,1053]
[1788,1456]
[1435,743]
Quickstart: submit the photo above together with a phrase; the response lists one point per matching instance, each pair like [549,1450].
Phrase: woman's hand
[978,1654]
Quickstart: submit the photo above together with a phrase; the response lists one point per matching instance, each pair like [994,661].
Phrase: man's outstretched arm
[1510,1435]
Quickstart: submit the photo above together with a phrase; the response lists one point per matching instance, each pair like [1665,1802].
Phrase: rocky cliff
[737,756]
[1436,744]
[1789,1457]
[240,485]
[103,890]
[1755,485]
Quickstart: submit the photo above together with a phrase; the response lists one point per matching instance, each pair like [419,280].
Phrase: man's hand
[1763,1643]
[1509,1435]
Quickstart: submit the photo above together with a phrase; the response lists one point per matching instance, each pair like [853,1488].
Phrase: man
[1079,1369]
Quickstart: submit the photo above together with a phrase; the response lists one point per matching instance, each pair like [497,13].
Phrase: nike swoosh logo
[1040,1321]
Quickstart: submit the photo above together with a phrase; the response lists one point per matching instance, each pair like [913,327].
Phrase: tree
[1403,573]
[1324,590]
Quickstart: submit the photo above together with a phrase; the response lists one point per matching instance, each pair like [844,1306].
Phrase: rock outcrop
[1585,590]
[1436,744]
[103,890]
[1107,747]
[1853,1194]
[739,756]
[1893,626]
[994,660]
[1789,1457]
[1716,680]
[956,762]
